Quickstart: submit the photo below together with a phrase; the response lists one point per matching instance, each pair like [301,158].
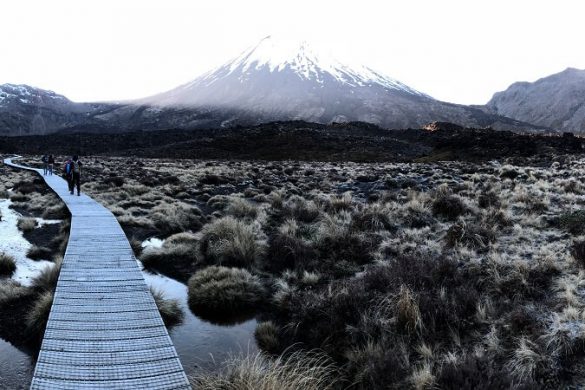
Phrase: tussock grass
[406,275]
[178,250]
[176,218]
[231,242]
[37,318]
[39,253]
[573,222]
[169,309]
[408,313]
[288,249]
[11,290]
[7,265]
[26,224]
[307,371]
[46,280]
[471,235]
[221,290]
[448,206]
[266,335]
[578,252]
[242,209]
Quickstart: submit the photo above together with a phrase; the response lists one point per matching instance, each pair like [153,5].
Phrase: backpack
[75,166]
[67,167]
[44,159]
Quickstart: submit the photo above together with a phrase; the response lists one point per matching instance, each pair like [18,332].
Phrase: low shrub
[231,242]
[7,265]
[221,290]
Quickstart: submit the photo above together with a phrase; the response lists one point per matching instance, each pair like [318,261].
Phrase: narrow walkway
[104,330]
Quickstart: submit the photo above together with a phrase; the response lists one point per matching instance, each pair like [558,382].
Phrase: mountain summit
[556,101]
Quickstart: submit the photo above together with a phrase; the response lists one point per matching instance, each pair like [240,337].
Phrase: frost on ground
[442,275]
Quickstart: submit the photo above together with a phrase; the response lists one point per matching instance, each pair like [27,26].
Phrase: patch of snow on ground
[152,242]
[14,244]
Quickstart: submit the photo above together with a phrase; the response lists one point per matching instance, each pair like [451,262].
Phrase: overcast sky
[459,51]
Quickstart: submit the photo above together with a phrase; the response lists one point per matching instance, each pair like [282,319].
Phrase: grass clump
[288,249]
[242,209]
[39,253]
[178,252]
[471,235]
[266,335]
[307,371]
[573,222]
[221,290]
[231,242]
[448,206]
[169,309]
[26,224]
[11,290]
[7,265]
[578,252]
[176,218]
[46,280]
[37,318]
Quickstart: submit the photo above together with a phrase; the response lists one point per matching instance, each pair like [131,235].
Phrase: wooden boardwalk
[104,330]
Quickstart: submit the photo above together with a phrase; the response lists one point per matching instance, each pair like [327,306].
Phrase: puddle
[13,243]
[200,344]
[16,368]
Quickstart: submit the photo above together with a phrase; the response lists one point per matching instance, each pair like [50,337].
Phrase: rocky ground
[403,275]
[359,142]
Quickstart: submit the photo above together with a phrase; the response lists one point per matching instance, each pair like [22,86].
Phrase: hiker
[45,161]
[68,171]
[51,164]
[76,175]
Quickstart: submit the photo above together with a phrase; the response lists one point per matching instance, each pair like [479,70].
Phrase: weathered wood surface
[104,330]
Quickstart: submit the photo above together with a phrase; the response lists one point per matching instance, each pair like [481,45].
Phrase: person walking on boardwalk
[51,162]
[76,175]
[68,171]
[45,161]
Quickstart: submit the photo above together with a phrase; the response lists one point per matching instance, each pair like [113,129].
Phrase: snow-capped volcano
[282,79]
[279,79]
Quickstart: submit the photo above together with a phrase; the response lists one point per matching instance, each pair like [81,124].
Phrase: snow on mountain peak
[278,54]
[26,94]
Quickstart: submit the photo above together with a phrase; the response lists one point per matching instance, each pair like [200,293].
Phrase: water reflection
[16,368]
[200,343]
